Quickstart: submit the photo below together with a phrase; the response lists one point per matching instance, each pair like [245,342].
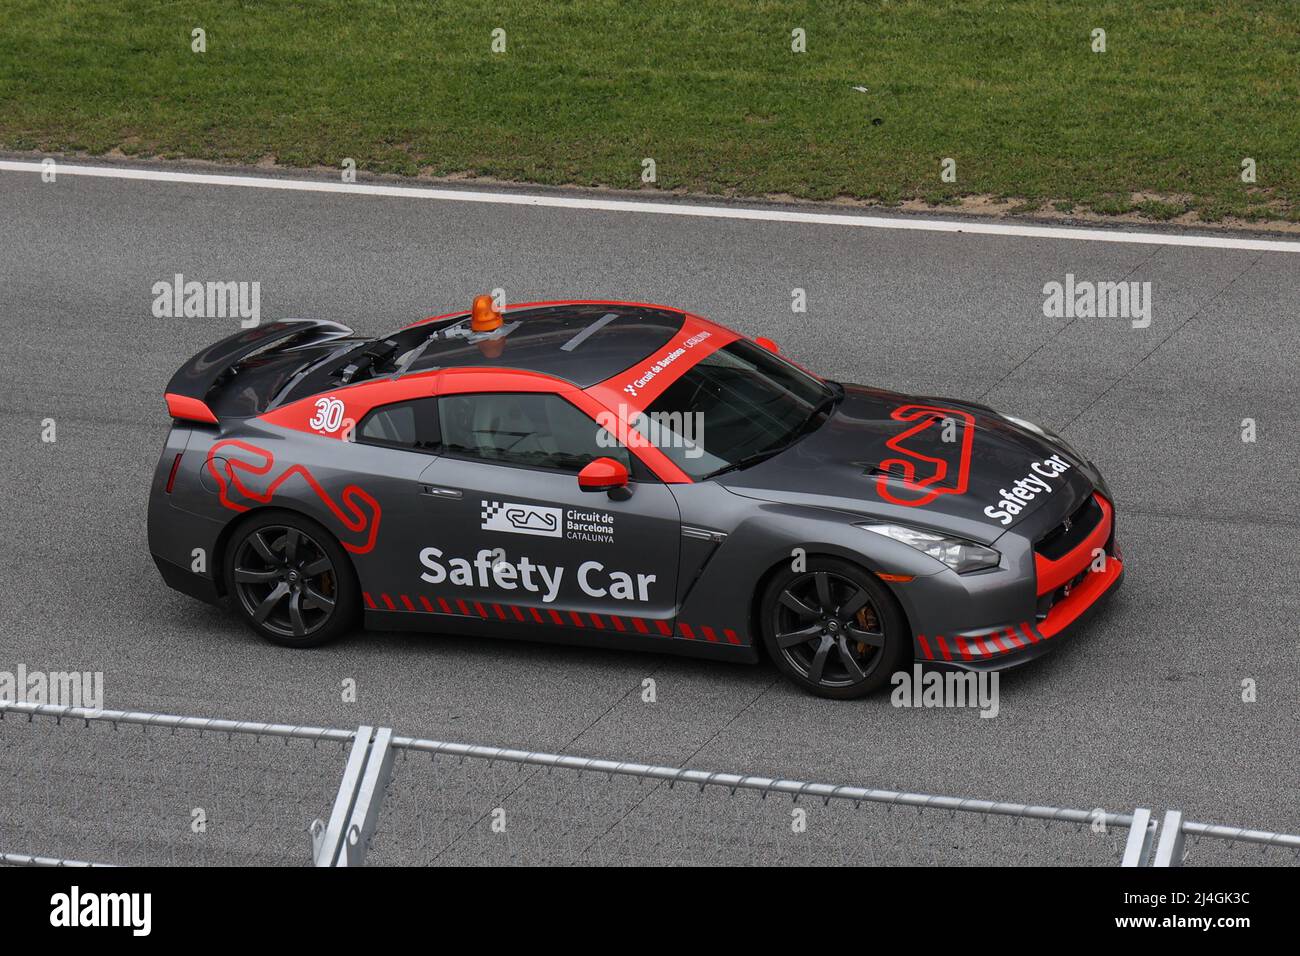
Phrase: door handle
[432,491]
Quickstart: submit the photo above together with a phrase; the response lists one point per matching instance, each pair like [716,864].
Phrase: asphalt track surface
[1141,706]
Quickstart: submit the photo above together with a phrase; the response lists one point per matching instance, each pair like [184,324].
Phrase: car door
[511,537]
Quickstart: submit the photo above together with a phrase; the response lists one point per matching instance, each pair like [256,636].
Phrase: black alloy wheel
[291,583]
[833,628]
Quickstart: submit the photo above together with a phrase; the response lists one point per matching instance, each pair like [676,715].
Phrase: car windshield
[734,407]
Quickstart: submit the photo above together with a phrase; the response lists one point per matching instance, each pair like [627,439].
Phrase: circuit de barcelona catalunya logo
[925,477]
[515,518]
[358,513]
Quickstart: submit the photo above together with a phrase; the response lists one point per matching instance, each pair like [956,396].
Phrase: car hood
[929,462]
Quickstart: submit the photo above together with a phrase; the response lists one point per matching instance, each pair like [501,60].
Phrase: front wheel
[290,581]
[833,628]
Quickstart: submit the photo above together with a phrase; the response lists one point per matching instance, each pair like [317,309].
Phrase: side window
[534,430]
[412,425]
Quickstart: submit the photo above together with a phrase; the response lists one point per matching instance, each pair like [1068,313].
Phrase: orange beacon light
[483,317]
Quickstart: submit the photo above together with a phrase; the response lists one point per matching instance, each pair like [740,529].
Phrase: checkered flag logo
[512,517]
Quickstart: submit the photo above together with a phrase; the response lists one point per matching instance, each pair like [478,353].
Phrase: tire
[290,581]
[809,621]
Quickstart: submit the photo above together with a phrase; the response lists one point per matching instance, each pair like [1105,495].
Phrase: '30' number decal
[329,415]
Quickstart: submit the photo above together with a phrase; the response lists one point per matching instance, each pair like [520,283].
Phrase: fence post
[1170,850]
[1141,834]
[370,799]
[327,840]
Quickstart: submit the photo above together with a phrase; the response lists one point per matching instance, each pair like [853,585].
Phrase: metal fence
[1211,844]
[155,789]
[182,790]
[465,805]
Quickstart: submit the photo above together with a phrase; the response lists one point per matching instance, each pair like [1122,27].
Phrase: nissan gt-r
[619,475]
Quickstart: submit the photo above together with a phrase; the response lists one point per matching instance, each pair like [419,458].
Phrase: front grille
[1061,540]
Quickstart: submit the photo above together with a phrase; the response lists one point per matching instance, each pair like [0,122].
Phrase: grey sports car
[620,475]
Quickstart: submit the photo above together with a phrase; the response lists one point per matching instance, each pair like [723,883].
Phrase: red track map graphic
[362,511]
[935,480]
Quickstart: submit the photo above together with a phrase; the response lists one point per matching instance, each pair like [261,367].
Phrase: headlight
[960,555]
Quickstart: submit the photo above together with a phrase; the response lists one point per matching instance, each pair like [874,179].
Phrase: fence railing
[1175,847]
[491,804]
[168,789]
[23,859]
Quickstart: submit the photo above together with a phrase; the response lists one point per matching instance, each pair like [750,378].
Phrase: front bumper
[1001,648]
[1067,587]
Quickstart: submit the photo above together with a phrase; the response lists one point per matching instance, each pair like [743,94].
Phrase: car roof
[579,342]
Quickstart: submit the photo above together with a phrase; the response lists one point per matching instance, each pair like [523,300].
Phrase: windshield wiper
[823,407]
[826,405]
[749,459]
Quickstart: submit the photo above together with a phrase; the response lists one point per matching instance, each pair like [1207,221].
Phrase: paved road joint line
[861,221]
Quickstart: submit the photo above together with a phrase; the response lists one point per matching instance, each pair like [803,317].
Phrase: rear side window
[412,425]
[532,430]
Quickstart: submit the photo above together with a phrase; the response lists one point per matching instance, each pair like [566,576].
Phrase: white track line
[670,209]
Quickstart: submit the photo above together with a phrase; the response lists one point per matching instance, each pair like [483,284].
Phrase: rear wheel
[290,581]
[833,628]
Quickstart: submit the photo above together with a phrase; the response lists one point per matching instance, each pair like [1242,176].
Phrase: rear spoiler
[188,389]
